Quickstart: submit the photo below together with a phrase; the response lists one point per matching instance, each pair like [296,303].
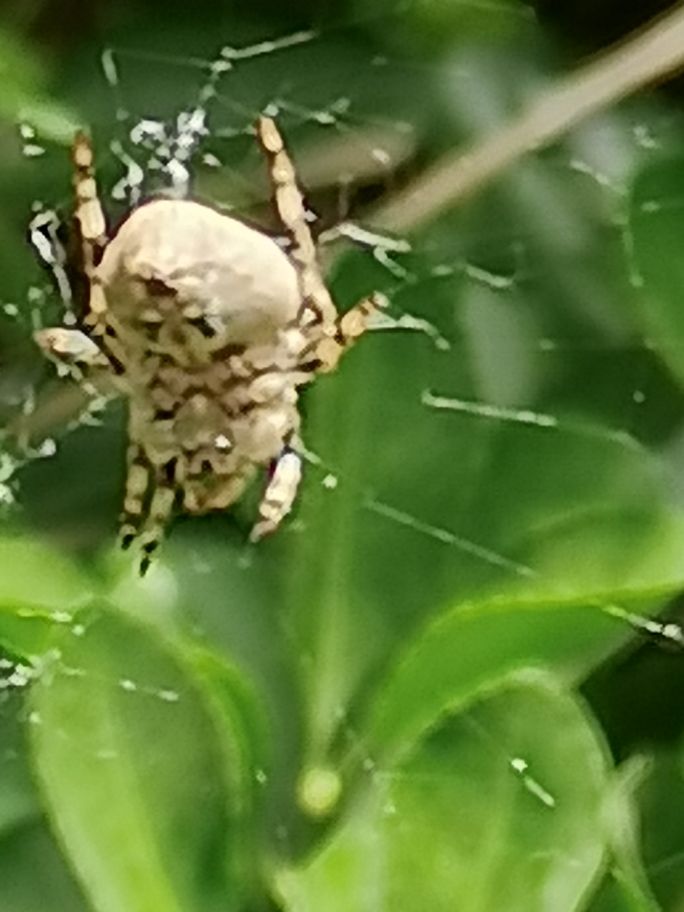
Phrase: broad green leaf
[39,589]
[498,807]
[133,774]
[34,877]
[18,799]
[36,576]
[473,648]
[450,24]
[656,223]
[228,597]
[618,895]
[240,720]
[23,97]
[626,887]
[661,800]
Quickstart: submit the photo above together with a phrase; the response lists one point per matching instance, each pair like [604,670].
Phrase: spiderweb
[512,311]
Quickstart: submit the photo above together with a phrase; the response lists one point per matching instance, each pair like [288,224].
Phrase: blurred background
[524,445]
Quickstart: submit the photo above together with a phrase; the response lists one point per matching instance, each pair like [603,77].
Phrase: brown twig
[650,56]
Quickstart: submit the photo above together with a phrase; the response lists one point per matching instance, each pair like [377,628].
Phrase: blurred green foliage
[441,685]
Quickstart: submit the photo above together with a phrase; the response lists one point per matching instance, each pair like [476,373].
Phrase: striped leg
[317,305]
[93,234]
[138,484]
[160,512]
[149,500]
[349,327]
[91,225]
[330,334]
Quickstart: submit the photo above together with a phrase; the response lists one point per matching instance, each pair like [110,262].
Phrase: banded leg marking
[160,512]
[138,484]
[327,352]
[291,210]
[90,219]
[93,236]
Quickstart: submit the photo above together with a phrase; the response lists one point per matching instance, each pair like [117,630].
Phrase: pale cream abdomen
[183,254]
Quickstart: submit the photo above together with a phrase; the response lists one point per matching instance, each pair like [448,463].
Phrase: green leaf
[18,799]
[472,649]
[240,721]
[39,589]
[656,224]
[661,801]
[618,895]
[626,887]
[36,576]
[34,876]
[133,774]
[22,95]
[499,807]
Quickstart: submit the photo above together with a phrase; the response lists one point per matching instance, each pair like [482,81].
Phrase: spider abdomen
[181,258]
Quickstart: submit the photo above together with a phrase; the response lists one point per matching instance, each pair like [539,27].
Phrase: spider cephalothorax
[208,327]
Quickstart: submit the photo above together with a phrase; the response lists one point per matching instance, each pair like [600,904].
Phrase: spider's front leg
[92,228]
[317,305]
[328,350]
[76,356]
[92,232]
[75,353]
[328,334]
[279,495]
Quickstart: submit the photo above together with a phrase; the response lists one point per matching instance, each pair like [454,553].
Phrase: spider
[208,327]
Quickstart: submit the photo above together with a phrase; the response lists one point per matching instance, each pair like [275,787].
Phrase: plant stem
[651,55]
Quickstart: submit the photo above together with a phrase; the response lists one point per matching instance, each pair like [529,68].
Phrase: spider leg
[279,495]
[349,327]
[329,333]
[91,224]
[139,479]
[160,510]
[149,500]
[76,356]
[321,355]
[74,353]
[317,305]
[92,230]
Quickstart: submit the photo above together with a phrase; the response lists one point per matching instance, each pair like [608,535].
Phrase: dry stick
[650,56]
